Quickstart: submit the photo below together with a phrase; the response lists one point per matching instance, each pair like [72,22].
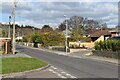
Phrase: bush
[113,45]
[108,48]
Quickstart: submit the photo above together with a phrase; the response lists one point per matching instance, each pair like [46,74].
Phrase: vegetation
[47,28]
[35,38]
[108,48]
[4,33]
[53,39]
[78,37]
[47,39]
[12,65]
[113,45]
[81,24]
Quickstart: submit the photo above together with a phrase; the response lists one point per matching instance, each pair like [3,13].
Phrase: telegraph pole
[14,40]
[9,26]
[33,30]
[66,33]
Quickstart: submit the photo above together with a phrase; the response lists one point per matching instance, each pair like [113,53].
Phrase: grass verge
[12,65]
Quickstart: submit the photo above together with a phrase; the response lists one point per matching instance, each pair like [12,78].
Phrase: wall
[74,44]
[88,44]
[101,38]
[78,44]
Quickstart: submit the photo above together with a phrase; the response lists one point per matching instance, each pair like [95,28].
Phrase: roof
[99,33]
[89,32]
[114,30]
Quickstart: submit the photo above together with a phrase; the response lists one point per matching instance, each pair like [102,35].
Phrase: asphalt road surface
[79,68]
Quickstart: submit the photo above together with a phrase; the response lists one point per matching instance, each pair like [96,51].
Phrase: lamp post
[66,33]
[9,26]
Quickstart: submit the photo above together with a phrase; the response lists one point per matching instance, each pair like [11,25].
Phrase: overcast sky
[52,13]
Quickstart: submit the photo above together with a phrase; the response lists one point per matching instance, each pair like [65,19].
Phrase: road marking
[53,67]
[63,72]
[57,73]
[50,70]
[73,77]
[68,74]
[60,72]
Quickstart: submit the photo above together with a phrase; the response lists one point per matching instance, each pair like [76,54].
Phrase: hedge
[112,45]
[108,48]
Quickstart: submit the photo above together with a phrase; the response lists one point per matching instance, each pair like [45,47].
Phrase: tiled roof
[99,33]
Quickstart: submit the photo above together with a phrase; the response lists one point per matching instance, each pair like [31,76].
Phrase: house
[115,33]
[100,35]
[96,35]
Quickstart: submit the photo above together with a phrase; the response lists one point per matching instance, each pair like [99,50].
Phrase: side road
[85,54]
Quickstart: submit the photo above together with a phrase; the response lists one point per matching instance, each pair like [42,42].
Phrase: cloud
[39,13]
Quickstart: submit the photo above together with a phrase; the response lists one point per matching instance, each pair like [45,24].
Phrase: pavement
[98,58]
[16,55]
[75,67]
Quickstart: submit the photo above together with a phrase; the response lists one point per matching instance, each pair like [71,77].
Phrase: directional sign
[66,35]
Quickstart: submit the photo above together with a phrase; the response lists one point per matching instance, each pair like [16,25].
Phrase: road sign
[66,35]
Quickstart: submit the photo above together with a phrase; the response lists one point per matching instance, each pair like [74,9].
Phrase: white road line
[50,70]
[57,73]
[63,72]
[53,67]
[68,74]
[60,73]
[73,77]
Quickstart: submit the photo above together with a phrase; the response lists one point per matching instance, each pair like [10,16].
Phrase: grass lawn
[0,66]
[10,65]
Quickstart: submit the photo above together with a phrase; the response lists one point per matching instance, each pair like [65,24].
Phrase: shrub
[113,45]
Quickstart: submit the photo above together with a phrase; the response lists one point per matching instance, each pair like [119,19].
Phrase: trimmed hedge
[112,45]
[108,48]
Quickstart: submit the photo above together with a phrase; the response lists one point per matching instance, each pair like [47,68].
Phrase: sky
[38,13]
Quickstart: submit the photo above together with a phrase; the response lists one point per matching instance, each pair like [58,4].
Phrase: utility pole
[66,34]
[101,22]
[9,26]
[14,40]
[33,30]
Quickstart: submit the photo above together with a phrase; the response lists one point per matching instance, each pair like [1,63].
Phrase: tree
[53,39]
[35,38]
[80,24]
[46,28]
[4,33]
[75,23]
[61,27]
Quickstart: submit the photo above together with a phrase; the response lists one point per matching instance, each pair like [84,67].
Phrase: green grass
[12,65]
[0,66]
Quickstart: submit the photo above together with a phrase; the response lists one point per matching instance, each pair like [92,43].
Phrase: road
[80,68]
